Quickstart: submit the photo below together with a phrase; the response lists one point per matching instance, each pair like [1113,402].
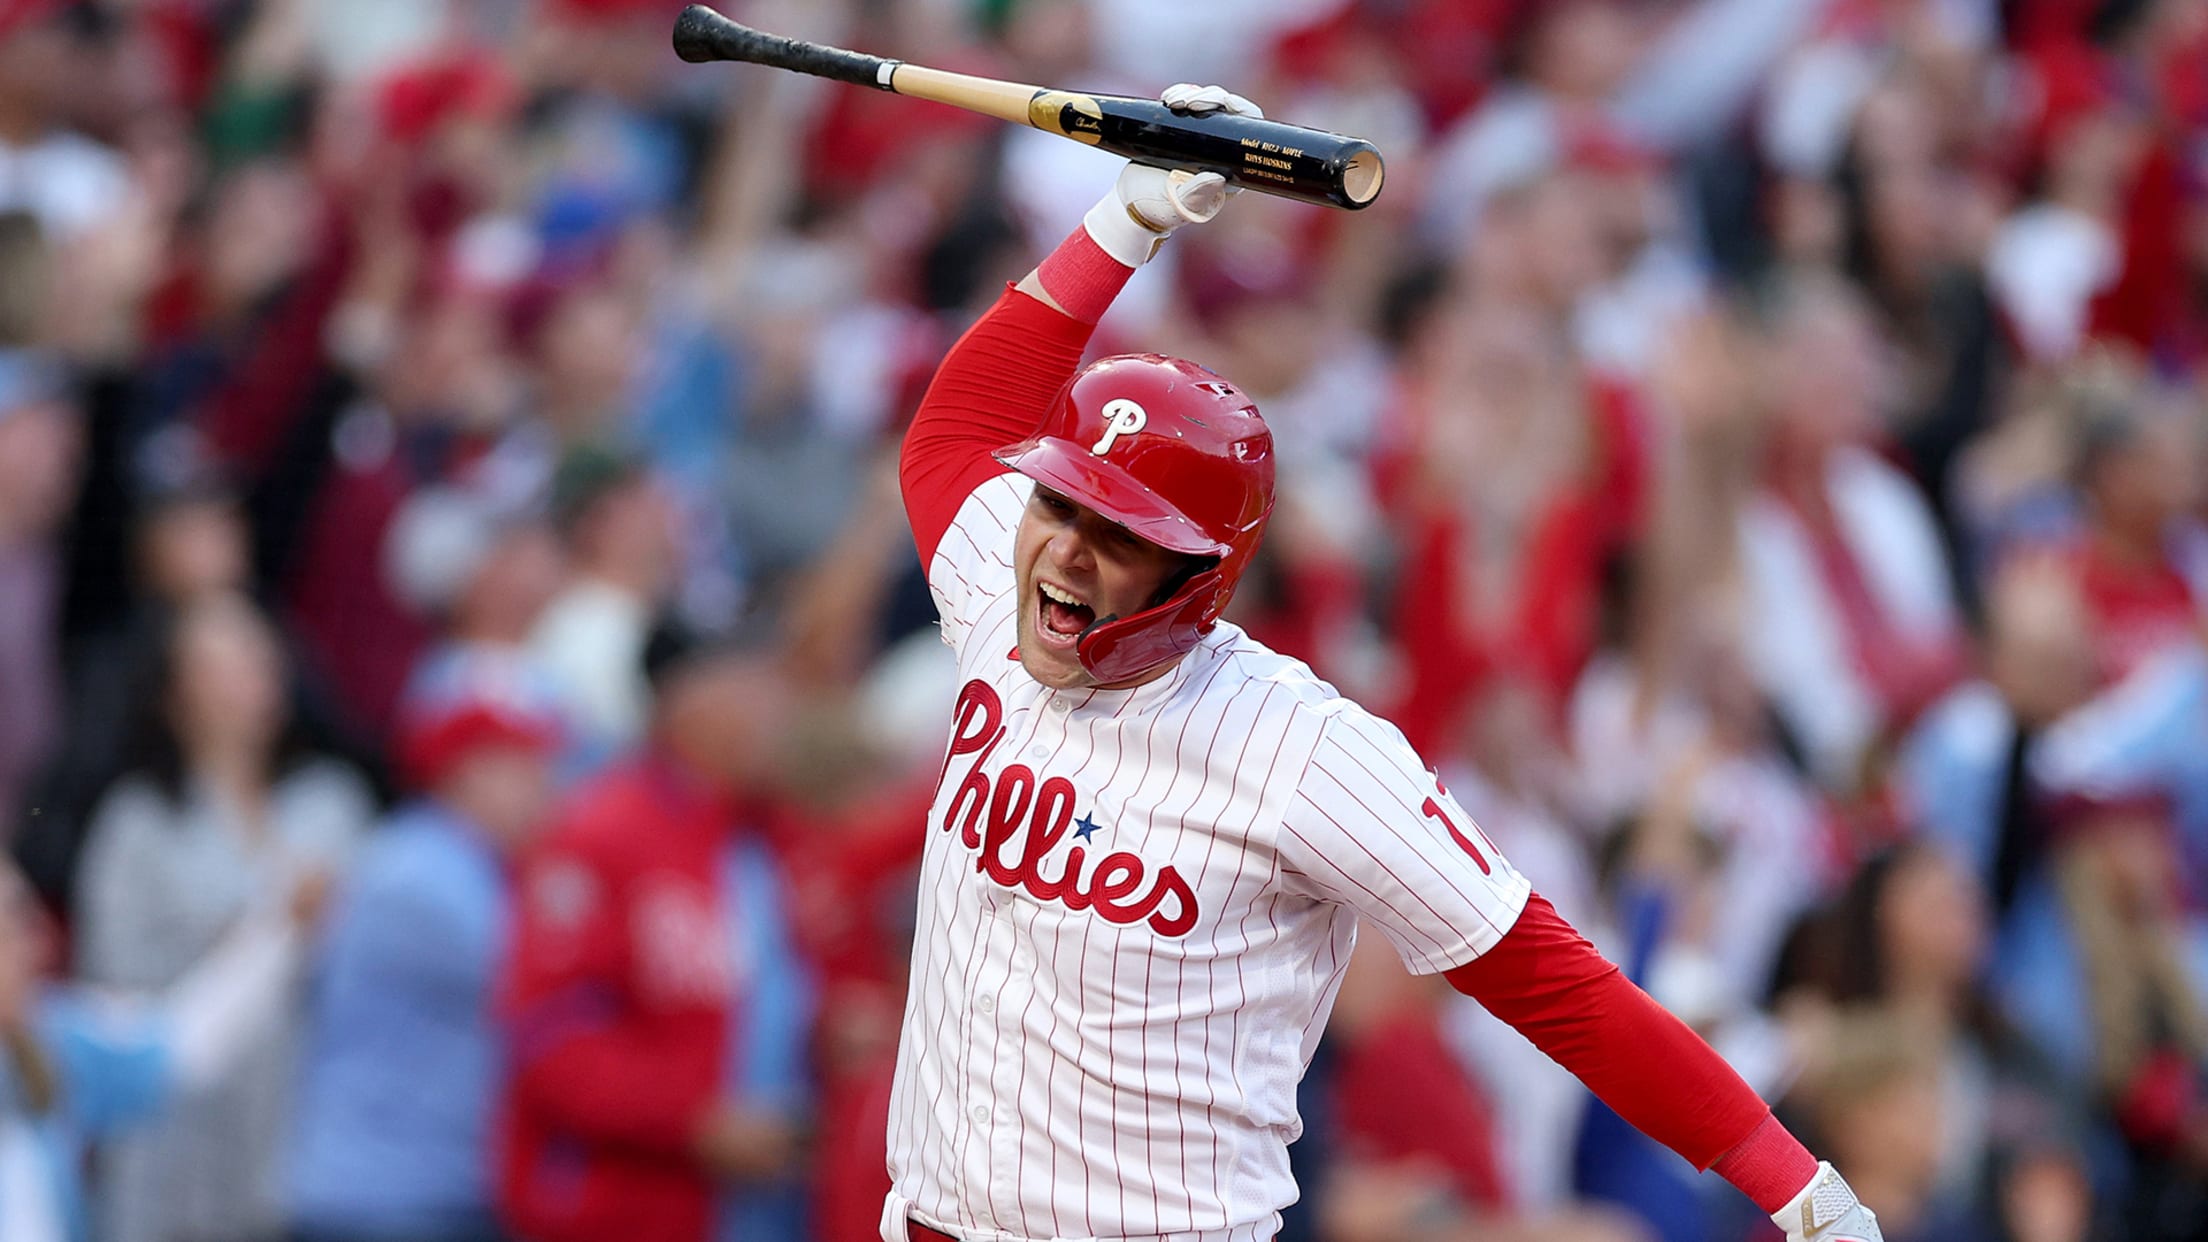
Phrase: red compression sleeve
[992,389]
[1544,979]
[1770,1166]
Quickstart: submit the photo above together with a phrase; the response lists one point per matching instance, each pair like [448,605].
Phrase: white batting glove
[1148,203]
[1204,100]
[1827,1211]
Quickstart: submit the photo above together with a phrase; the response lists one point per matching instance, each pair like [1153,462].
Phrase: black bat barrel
[1289,160]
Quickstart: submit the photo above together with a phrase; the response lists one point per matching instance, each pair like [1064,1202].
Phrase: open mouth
[1059,615]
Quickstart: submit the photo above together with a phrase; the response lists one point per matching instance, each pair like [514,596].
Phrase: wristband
[1082,277]
[1770,1166]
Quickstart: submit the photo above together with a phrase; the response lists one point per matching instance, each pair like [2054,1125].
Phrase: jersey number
[1433,810]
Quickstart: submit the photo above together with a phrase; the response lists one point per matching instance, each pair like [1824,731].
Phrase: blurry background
[1753,448]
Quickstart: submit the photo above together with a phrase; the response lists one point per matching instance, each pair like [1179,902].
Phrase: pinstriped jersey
[1135,909]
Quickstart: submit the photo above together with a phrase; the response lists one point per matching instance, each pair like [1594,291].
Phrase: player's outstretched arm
[998,380]
[1544,979]
[1372,828]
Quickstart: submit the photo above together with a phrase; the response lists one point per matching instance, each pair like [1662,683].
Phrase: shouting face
[1076,567]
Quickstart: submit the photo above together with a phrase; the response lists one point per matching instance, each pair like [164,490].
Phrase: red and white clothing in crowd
[1461,630]
[2136,611]
[1850,624]
[639,963]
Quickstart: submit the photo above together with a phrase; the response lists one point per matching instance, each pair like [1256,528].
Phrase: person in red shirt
[2135,476]
[656,1013]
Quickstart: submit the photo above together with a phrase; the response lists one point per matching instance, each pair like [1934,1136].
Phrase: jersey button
[981,1114]
[1038,752]
[1060,705]
[987,1004]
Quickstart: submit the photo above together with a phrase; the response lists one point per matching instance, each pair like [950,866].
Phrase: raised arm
[998,380]
[992,389]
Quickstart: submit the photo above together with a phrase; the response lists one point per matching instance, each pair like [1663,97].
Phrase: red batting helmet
[1179,457]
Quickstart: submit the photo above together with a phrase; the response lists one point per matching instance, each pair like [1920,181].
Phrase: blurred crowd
[468,702]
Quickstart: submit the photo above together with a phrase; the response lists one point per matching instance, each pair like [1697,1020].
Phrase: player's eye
[1054,505]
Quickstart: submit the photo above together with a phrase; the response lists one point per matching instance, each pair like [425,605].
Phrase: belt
[917,1232]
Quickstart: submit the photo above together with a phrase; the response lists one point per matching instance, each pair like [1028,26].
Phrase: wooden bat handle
[1006,101]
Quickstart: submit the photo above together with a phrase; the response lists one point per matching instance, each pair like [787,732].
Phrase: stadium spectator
[2137,471]
[402,1059]
[188,540]
[40,443]
[1907,940]
[1877,1100]
[79,1066]
[1503,571]
[658,1012]
[442,396]
[50,77]
[482,567]
[2147,1008]
[1850,618]
[1686,739]
[618,526]
[852,860]
[220,813]
[1967,778]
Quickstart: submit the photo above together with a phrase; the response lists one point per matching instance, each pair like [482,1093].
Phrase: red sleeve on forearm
[1544,979]
[993,389]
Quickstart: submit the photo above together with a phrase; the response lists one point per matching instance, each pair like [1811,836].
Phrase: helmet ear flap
[1115,649]
[1178,580]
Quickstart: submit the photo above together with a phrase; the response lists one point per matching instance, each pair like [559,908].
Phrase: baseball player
[1153,839]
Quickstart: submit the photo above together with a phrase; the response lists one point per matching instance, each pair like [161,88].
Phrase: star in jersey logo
[1084,828]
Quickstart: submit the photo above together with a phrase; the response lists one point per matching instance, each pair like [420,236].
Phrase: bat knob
[701,35]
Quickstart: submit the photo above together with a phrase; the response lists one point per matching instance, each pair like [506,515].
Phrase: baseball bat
[1310,165]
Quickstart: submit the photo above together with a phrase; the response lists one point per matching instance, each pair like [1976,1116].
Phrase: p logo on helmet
[1122,418]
